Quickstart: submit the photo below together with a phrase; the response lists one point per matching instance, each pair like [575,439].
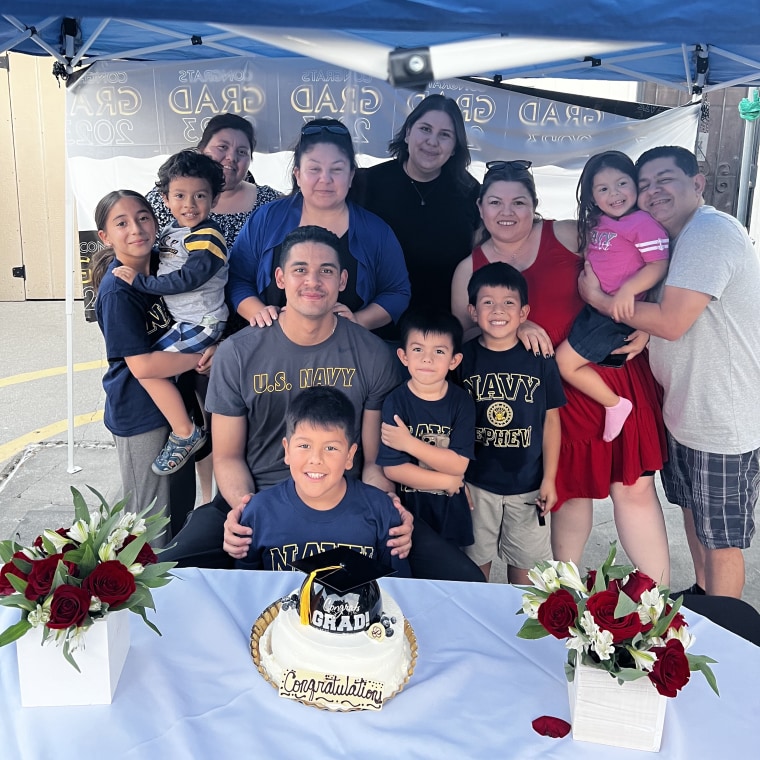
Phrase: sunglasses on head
[518,165]
[333,129]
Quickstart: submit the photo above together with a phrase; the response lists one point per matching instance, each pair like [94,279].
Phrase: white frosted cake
[371,664]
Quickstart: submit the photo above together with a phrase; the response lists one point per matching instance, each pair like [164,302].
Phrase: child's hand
[454,484]
[623,304]
[547,496]
[203,367]
[396,436]
[125,273]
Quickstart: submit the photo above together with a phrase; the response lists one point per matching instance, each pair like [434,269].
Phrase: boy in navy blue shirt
[428,431]
[517,431]
[317,508]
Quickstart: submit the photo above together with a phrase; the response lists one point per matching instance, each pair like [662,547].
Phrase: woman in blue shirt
[324,163]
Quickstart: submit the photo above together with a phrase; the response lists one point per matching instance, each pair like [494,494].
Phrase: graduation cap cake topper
[340,593]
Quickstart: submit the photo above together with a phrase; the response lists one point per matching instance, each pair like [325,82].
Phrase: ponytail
[101,260]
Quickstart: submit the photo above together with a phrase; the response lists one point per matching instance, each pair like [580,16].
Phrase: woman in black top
[427,197]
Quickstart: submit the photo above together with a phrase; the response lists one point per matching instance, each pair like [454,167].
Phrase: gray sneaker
[177,451]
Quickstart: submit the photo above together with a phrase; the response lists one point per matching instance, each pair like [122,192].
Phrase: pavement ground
[34,478]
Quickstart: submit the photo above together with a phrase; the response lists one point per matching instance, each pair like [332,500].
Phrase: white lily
[118,537]
[107,552]
[546,580]
[651,606]
[136,568]
[570,577]
[682,635]
[38,616]
[643,660]
[95,604]
[530,605]
[601,643]
[578,641]
[79,531]
[56,539]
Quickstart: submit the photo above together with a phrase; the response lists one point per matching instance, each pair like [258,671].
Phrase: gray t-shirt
[711,374]
[257,371]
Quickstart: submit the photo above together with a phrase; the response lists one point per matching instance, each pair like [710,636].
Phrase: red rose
[602,607]
[557,613]
[671,671]
[146,555]
[678,621]
[42,573]
[68,607]
[111,582]
[637,584]
[11,568]
[590,579]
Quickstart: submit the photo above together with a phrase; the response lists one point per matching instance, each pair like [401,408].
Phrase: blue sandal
[177,451]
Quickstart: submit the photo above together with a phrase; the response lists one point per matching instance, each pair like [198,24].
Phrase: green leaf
[15,632]
[81,511]
[152,571]
[706,671]
[630,674]
[69,657]
[128,554]
[19,601]
[141,612]
[662,624]
[625,605]
[8,549]
[532,629]
[19,584]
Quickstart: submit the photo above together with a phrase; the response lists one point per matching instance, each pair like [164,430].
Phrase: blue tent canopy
[696,46]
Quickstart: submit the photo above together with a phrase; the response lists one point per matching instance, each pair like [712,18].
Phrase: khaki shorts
[508,526]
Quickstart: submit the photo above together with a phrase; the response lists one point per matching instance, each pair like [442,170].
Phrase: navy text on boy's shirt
[512,390]
[286,529]
[448,423]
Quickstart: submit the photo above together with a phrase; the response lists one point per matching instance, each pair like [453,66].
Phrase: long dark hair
[102,259]
[227,121]
[588,212]
[305,143]
[507,174]
[456,166]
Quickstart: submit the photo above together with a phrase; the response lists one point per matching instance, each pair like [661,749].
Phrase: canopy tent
[405,42]
[695,47]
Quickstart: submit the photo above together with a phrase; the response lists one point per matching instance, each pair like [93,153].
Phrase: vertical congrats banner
[124,119]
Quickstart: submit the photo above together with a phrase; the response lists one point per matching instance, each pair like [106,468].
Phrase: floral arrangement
[72,577]
[616,619]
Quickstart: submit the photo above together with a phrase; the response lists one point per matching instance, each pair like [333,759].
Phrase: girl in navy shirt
[131,322]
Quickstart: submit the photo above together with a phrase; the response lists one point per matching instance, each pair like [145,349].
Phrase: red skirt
[587,464]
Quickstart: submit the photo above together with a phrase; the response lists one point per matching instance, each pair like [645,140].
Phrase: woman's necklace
[512,257]
[417,190]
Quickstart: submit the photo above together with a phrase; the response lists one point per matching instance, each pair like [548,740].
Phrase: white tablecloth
[195,693]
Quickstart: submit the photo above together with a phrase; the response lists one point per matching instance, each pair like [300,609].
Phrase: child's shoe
[176,452]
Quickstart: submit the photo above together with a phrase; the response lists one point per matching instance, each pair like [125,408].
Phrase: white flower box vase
[604,711]
[48,679]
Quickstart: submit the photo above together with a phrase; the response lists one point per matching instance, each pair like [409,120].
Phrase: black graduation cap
[342,569]
[339,572]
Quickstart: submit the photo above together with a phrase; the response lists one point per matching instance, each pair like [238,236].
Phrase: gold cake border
[265,619]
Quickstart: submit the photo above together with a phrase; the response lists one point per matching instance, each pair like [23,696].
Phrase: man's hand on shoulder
[401,536]
[237,537]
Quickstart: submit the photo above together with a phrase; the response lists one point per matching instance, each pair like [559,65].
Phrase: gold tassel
[305,600]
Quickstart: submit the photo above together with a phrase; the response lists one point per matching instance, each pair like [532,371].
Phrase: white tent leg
[69,244]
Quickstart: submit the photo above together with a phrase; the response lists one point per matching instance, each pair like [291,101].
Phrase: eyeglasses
[333,129]
[520,165]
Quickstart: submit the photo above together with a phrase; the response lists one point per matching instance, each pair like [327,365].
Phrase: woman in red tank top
[589,468]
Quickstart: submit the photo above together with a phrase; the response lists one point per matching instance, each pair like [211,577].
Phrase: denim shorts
[720,489]
[594,336]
